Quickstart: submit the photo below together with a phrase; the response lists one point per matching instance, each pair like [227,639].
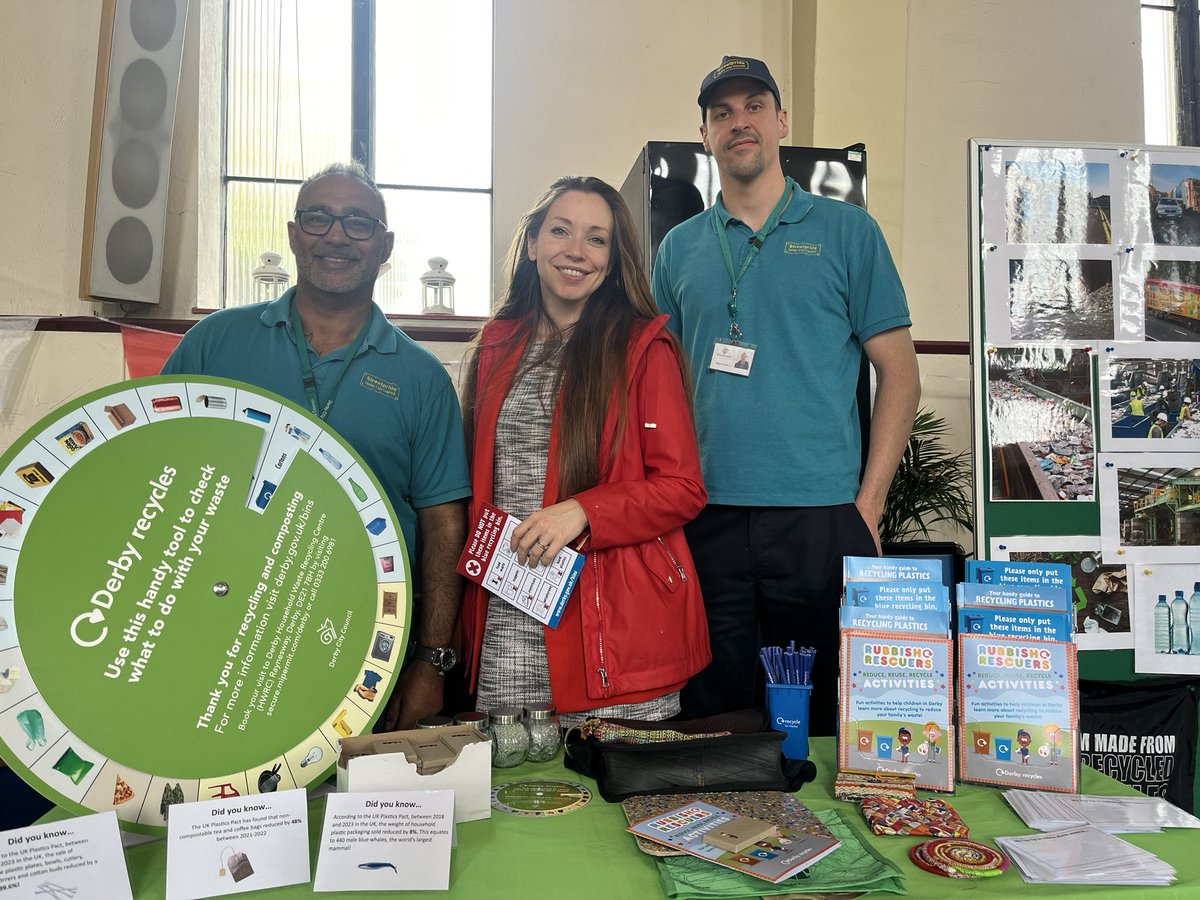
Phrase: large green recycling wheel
[202,589]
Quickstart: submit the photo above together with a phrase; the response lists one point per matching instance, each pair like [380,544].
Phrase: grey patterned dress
[513,670]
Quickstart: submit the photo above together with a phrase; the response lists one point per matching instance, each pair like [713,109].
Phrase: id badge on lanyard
[732,354]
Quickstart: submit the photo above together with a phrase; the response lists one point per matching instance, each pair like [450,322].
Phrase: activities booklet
[1019,711]
[539,591]
[773,858]
[896,706]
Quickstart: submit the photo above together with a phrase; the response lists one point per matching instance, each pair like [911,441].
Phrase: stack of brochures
[1083,855]
[1018,683]
[1116,815]
[773,855]
[897,679]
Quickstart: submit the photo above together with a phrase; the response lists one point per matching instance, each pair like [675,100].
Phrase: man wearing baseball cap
[798,286]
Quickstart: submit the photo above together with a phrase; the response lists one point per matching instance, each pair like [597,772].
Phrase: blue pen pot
[788,706]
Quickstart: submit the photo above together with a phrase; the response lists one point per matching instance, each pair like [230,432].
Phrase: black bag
[746,759]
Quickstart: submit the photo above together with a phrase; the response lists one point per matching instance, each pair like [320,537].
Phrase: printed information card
[76,857]
[236,846]
[540,591]
[393,841]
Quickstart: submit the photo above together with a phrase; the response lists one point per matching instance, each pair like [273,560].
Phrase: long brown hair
[592,362]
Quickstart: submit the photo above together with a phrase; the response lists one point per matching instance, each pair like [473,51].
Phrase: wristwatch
[441,658]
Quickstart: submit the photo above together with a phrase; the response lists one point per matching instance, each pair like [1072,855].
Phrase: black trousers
[771,575]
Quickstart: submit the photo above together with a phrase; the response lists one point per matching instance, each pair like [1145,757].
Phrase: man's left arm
[897,392]
[420,688]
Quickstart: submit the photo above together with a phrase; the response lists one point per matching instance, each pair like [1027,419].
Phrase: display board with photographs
[1085,279]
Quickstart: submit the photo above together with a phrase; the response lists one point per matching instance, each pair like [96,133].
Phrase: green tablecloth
[587,853]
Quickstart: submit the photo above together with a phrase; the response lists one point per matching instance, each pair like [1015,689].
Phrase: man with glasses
[327,346]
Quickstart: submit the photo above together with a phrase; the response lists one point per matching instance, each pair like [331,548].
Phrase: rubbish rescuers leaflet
[895,709]
[1019,713]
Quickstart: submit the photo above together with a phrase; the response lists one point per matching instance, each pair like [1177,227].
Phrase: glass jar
[509,738]
[477,720]
[545,733]
[434,722]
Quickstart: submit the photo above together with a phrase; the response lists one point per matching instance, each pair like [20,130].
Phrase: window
[1159,72]
[405,88]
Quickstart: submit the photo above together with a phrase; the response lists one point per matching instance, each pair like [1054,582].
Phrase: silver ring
[543,546]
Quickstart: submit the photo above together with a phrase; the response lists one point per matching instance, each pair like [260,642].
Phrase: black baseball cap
[737,67]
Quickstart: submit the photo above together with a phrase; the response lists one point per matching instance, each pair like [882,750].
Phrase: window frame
[1187,58]
[362,149]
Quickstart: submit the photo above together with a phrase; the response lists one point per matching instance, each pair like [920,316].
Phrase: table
[587,854]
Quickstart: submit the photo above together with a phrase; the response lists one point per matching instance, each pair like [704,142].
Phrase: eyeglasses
[317,222]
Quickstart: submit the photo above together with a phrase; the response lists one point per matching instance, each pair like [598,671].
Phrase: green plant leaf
[932,485]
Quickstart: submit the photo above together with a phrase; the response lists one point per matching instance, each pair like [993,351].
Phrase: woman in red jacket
[579,423]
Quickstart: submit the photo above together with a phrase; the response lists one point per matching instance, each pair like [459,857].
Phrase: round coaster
[537,797]
[970,857]
[202,590]
[917,854]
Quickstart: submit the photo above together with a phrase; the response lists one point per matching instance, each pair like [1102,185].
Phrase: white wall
[580,87]
[48,69]
[916,80]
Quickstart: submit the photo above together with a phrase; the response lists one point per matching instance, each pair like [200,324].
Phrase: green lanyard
[756,242]
[310,382]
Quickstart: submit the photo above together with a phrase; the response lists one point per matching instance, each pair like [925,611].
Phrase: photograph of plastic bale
[1053,299]
[1039,421]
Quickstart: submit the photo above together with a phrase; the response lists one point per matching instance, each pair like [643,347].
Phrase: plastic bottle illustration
[1162,625]
[1194,620]
[1179,624]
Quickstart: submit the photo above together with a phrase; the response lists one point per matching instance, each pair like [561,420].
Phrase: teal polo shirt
[822,284]
[396,405]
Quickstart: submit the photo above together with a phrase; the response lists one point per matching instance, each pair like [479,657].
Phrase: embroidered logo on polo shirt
[379,386]
[804,249]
